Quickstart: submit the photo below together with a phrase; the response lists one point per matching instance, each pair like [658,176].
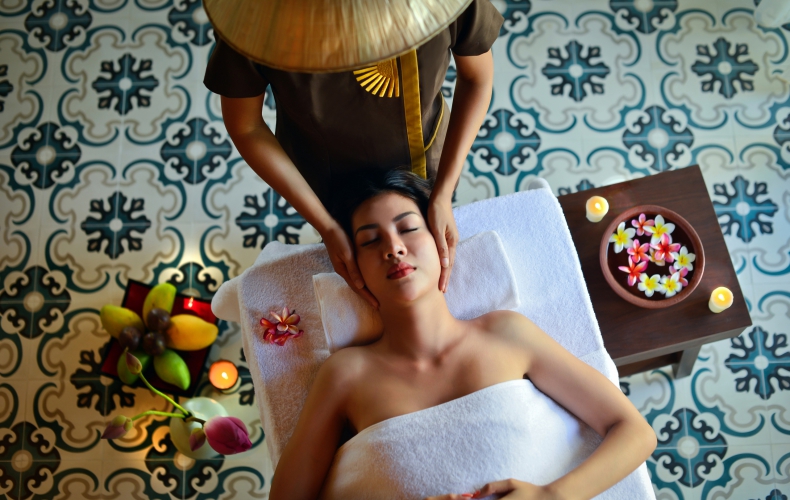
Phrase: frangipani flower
[622,238]
[664,249]
[659,229]
[633,270]
[649,284]
[282,328]
[654,260]
[683,271]
[641,223]
[684,259]
[227,435]
[639,252]
[670,285]
[119,426]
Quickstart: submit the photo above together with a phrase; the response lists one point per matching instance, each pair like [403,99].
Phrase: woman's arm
[628,439]
[263,153]
[475,79]
[307,457]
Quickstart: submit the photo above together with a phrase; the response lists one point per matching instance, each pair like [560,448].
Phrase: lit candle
[720,299]
[596,208]
[224,376]
[191,301]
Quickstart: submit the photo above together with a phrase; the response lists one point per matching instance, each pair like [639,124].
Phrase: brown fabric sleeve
[476,29]
[230,74]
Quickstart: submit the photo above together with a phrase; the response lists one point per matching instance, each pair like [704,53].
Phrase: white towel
[482,281]
[508,430]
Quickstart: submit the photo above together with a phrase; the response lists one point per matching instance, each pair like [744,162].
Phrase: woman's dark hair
[364,185]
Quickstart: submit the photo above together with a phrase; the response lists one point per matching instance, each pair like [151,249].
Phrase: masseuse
[354,90]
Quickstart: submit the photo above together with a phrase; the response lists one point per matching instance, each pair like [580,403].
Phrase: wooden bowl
[618,280]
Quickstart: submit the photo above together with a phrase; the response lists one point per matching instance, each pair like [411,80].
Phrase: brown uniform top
[330,126]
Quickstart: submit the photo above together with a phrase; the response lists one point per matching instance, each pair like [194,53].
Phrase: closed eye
[377,239]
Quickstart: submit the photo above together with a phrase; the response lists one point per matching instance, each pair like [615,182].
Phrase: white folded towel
[508,430]
[482,281]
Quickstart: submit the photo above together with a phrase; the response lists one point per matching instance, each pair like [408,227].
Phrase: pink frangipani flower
[633,270]
[664,249]
[282,328]
[654,260]
[227,435]
[683,271]
[641,223]
[639,252]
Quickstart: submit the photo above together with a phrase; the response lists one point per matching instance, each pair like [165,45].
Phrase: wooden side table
[641,339]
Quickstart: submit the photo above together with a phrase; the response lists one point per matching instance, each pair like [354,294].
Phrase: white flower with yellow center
[622,237]
[670,285]
[684,259]
[661,228]
[649,284]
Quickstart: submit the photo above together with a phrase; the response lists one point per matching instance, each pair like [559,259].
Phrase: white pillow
[482,281]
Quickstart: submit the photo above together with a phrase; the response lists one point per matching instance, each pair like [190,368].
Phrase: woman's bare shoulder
[507,325]
[346,366]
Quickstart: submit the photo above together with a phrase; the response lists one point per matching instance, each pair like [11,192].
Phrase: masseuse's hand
[442,222]
[341,253]
[508,489]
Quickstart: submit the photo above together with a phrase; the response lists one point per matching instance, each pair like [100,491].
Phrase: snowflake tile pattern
[575,70]
[726,67]
[115,165]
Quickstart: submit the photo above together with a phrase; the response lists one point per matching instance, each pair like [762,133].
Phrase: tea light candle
[720,299]
[224,376]
[597,207]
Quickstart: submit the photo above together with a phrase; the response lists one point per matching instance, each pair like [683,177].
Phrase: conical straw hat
[328,35]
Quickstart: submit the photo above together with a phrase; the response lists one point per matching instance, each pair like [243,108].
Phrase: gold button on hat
[328,35]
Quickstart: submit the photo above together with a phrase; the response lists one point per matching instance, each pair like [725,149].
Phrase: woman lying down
[438,402]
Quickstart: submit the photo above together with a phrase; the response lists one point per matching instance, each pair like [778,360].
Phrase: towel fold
[507,430]
[482,281]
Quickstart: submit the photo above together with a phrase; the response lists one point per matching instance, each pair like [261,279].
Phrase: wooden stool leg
[685,365]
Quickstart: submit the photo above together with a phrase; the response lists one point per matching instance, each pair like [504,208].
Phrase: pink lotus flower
[633,270]
[639,252]
[119,426]
[664,249]
[282,328]
[640,224]
[683,271]
[227,435]
[197,438]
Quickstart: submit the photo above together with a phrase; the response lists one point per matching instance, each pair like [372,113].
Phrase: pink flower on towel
[282,328]
[227,435]
[640,224]
[633,270]
[638,252]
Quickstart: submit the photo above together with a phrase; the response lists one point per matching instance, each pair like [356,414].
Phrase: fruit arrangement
[157,336]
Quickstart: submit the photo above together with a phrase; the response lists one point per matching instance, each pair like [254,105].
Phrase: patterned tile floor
[115,165]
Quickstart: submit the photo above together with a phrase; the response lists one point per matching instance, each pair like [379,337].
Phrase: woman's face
[396,252]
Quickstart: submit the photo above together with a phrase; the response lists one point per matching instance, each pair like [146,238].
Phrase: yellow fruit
[190,333]
[116,318]
[172,369]
[161,296]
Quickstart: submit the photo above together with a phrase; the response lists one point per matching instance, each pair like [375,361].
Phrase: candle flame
[191,300]
[721,297]
[598,206]
[224,375]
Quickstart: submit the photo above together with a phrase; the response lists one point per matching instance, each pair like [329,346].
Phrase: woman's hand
[341,254]
[510,488]
[442,223]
